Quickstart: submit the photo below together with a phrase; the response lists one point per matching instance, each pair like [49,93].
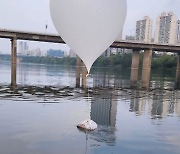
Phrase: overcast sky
[32,15]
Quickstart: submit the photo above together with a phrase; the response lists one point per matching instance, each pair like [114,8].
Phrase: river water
[40,115]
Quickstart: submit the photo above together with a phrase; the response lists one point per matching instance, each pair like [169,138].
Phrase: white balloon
[89,27]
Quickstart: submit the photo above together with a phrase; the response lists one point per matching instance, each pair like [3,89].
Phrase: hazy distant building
[55,53]
[72,54]
[114,51]
[35,52]
[107,53]
[23,48]
[178,32]
[65,54]
[130,38]
[144,29]
[166,28]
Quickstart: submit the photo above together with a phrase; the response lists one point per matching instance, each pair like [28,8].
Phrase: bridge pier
[81,68]
[78,71]
[146,69]
[13,61]
[135,68]
[178,72]
[84,78]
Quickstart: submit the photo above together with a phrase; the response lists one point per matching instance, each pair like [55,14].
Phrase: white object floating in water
[87,124]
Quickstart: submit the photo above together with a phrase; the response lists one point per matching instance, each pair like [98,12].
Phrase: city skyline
[24,17]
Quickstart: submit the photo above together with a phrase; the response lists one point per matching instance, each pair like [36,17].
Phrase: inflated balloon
[89,27]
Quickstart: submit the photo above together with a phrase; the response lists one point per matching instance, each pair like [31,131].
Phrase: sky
[32,15]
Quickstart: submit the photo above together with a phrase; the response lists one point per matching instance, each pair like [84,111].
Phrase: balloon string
[86,142]
[87,76]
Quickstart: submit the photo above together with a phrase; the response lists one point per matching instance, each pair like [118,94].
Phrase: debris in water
[87,125]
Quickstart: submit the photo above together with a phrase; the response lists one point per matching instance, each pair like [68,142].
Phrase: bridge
[135,46]
[54,38]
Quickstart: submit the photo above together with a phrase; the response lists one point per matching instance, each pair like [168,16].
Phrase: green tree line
[119,60]
[125,60]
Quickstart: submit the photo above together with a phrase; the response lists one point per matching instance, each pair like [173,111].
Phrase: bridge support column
[78,71]
[178,72]
[134,68]
[146,70]
[84,78]
[13,61]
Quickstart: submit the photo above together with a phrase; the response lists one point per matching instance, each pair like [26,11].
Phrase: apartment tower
[166,28]
[144,30]
[178,32]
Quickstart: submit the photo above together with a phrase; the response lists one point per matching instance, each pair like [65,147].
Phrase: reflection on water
[103,112]
[104,109]
[110,108]
[137,104]
[40,114]
[111,78]
[31,74]
[162,106]
[104,102]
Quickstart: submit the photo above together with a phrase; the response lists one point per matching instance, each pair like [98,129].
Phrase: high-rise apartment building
[23,47]
[166,28]
[144,29]
[178,32]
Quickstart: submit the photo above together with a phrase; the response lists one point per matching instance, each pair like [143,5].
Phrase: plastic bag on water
[87,124]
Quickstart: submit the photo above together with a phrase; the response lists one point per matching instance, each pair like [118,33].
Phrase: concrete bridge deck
[54,38]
